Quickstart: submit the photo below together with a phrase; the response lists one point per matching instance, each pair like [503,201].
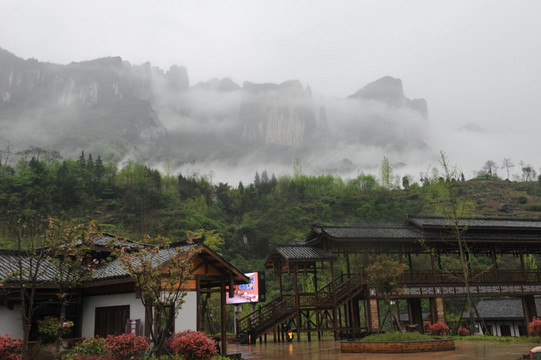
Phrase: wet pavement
[330,350]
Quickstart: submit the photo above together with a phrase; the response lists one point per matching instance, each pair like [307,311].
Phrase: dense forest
[242,222]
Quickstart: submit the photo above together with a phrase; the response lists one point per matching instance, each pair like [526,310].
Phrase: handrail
[430,277]
[281,308]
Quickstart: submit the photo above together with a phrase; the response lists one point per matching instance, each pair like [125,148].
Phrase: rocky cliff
[276,114]
[389,91]
[109,106]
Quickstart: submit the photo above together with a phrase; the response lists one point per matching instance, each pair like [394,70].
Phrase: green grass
[526,339]
[398,336]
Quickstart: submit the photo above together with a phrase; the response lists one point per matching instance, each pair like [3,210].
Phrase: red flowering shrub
[438,328]
[463,331]
[10,349]
[192,345]
[126,346]
[534,328]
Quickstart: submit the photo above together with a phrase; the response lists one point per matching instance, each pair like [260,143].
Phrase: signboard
[246,293]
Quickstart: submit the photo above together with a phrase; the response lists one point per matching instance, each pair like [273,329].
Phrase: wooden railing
[490,276]
[283,308]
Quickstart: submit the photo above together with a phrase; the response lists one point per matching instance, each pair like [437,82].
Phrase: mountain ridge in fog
[141,112]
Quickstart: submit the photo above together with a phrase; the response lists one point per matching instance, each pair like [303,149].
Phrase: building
[109,302]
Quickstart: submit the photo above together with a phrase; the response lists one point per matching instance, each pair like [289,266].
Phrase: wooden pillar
[199,316]
[529,308]
[437,309]
[372,314]
[281,284]
[416,314]
[356,318]
[297,304]
[433,263]
[333,288]
[347,265]
[222,310]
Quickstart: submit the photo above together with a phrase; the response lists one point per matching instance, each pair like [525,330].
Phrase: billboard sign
[246,293]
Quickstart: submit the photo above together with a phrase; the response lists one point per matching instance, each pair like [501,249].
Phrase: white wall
[90,303]
[11,322]
[187,316]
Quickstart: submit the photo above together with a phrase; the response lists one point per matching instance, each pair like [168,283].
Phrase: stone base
[397,346]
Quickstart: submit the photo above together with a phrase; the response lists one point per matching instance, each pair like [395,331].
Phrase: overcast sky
[473,61]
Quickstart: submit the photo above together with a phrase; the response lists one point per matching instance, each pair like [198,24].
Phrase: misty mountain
[109,106]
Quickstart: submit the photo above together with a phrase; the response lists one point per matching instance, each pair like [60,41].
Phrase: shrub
[463,331]
[192,345]
[51,329]
[438,329]
[126,346]
[534,328]
[89,349]
[10,349]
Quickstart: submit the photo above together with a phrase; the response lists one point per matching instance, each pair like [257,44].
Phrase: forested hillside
[242,221]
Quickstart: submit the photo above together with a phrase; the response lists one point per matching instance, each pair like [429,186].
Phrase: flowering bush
[192,345]
[89,349]
[534,327]
[438,328]
[10,349]
[126,346]
[463,331]
[51,329]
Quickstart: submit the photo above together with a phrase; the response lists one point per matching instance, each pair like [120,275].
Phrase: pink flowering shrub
[438,329]
[10,349]
[192,345]
[534,327]
[463,331]
[126,346]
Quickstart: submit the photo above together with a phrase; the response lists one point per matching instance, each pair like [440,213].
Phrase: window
[111,320]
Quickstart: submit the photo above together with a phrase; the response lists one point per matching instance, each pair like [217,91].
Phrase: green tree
[24,228]
[384,276]
[162,285]
[69,248]
[457,210]
[386,172]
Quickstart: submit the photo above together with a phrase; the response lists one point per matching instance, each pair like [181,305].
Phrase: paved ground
[330,350]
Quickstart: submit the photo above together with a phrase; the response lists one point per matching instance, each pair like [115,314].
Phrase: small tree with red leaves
[534,327]
[192,345]
[439,329]
[126,346]
[10,349]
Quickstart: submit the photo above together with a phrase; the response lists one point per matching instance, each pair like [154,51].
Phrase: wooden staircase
[283,309]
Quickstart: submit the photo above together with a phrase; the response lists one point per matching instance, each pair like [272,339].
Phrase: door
[111,320]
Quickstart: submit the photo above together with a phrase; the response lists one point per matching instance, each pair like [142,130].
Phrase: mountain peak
[389,90]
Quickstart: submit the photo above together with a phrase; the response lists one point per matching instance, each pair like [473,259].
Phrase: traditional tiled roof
[111,240]
[300,252]
[493,223]
[369,232]
[114,269]
[498,309]
[9,266]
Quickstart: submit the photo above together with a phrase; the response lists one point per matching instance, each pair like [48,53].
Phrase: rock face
[276,114]
[105,96]
[389,91]
[140,112]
